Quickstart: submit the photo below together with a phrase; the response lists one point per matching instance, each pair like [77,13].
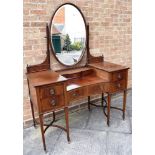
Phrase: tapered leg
[102,99]
[32,110]
[53,115]
[67,123]
[89,103]
[42,131]
[124,103]
[108,108]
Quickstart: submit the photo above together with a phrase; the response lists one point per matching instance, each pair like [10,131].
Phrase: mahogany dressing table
[52,90]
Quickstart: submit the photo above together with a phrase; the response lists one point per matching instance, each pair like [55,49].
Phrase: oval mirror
[68,34]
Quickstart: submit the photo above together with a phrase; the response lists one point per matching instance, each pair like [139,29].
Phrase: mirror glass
[68,35]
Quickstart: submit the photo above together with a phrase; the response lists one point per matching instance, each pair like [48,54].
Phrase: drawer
[116,76]
[95,89]
[52,103]
[75,94]
[115,86]
[51,90]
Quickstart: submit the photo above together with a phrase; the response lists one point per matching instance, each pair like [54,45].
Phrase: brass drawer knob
[74,94]
[119,76]
[52,91]
[53,102]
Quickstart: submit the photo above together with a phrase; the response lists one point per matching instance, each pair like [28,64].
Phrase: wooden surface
[107,66]
[96,78]
[52,91]
[44,78]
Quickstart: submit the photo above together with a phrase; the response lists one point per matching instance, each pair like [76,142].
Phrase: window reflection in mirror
[68,34]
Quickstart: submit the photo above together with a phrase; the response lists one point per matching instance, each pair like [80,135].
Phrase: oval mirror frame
[51,44]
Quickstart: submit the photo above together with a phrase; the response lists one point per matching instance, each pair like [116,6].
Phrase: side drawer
[51,90]
[75,94]
[115,86]
[52,103]
[120,75]
[95,89]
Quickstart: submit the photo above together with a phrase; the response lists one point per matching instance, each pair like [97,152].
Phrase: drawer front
[52,103]
[95,89]
[115,86]
[75,94]
[116,76]
[51,90]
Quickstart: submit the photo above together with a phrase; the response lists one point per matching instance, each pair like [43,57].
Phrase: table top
[108,66]
[45,77]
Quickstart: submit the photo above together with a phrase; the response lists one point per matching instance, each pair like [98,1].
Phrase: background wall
[110,33]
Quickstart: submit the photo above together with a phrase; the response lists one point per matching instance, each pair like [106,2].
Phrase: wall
[110,33]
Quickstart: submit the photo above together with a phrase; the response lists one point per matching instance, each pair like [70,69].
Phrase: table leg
[67,123]
[42,130]
[102,99]
[124,103]
[32,110]
[108,108]
[89,103]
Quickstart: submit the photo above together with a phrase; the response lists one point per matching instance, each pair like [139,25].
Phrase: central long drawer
[85,91]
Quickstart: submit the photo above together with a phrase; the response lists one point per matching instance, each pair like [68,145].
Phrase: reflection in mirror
[68,34]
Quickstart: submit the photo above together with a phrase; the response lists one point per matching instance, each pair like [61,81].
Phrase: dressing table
[81,75]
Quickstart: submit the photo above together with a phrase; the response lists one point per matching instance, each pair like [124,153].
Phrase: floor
[89,134]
